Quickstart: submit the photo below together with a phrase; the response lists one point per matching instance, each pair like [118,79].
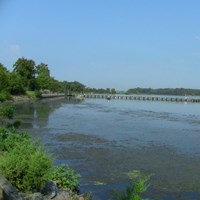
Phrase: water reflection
[36,114]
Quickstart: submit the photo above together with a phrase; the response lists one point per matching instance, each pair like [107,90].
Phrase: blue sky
[118,44]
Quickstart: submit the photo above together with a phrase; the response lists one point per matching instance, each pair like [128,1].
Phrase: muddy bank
[27,99]
[21,99]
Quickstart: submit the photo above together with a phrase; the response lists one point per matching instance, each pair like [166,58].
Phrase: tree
[43,78]
[42,69]
[45,81]
[55,85]
[108,90]
[78,87]
[15,84]
[26,70]
[4,82]
[73,86]
[113,91]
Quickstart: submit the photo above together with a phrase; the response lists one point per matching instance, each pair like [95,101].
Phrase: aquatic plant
[137,186]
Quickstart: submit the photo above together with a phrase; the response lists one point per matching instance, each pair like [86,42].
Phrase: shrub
[16,124]
[15,84]
[28,167]
[7,111]
[24,164]
[10,138]
[65,177]
[5,96]
[6,116]
[38,94]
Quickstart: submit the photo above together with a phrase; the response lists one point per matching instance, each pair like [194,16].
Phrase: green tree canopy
[43,78]
[4,82]
[26,69]
[73,86]
[15,84]
[55,85]
[42,69]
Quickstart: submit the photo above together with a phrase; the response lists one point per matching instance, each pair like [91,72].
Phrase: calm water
[104,140]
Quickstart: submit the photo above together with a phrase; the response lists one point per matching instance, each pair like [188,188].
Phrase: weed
[65,177]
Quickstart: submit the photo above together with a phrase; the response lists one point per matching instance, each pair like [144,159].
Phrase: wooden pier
[143,98]
[129,97]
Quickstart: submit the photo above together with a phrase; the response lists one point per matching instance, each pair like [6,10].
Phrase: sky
[117,44]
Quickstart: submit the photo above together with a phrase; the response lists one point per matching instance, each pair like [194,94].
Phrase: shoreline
[21,98]
[25,98]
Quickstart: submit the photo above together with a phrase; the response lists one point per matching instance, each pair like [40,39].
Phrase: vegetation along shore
[29,79]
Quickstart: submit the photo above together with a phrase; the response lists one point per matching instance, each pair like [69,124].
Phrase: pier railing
[130,97]
[144,98]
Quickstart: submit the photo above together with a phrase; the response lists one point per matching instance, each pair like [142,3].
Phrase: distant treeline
[28,76]
[165,91]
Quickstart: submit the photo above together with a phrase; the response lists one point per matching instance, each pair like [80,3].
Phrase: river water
[104,140]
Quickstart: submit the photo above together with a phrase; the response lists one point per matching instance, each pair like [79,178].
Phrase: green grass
[31,94]
[34,94]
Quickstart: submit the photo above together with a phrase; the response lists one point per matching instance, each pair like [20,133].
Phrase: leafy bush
[38,94]
[28,167]
[5,96]
[15,84]
[10,138]
[6,116]
[65,177]
[16,124]
[7,111]
[24,164]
